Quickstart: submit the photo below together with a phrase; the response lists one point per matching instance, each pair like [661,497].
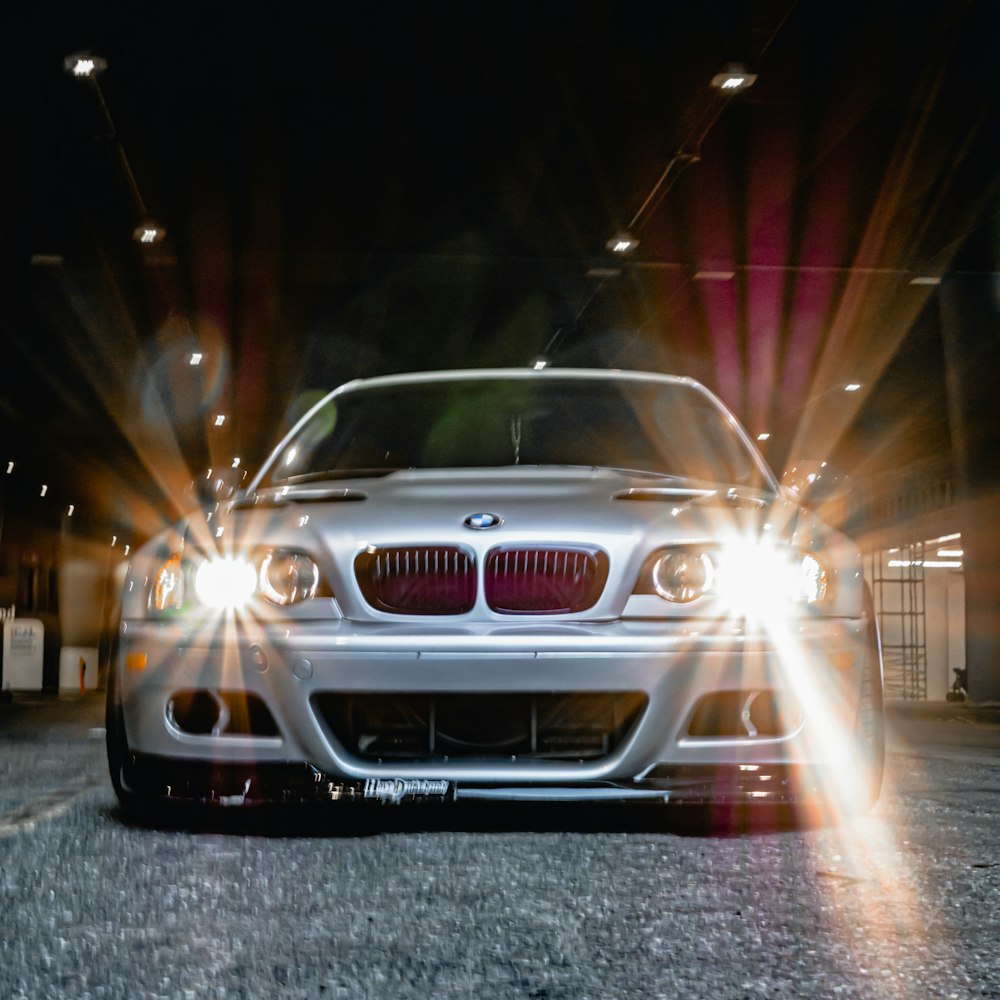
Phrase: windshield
[654,428]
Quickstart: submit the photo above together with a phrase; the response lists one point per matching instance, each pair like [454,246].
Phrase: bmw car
[504,584]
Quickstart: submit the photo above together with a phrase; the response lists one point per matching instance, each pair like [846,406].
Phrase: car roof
[526,373]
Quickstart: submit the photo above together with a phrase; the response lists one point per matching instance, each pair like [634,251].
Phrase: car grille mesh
[418,580]
[544,580]
[499,727]
[441,580]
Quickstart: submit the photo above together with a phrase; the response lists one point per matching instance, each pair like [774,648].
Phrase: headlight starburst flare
[280,576]
[229,582]
[753,578]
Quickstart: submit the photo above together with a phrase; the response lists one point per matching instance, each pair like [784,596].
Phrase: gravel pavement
[544,903]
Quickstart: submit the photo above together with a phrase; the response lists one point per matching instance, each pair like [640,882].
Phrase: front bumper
[662,754]
[254,784]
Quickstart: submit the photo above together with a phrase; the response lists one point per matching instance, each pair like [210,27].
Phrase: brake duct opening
[209,712]
[754,714]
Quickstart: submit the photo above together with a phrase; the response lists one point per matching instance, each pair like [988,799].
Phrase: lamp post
[88,67]
[734,79]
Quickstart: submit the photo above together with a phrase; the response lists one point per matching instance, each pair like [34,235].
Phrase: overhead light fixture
[149,232]
[763,436]
[852,387]
[733,79]
[196,357]
[220,419]
[944,538]
[540,364]
[83,65]
[928,563]
[622,242]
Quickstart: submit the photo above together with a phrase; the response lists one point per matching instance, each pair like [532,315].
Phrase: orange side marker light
[135,661]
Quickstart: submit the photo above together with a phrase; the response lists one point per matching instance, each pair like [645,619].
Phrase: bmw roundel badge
[480,521]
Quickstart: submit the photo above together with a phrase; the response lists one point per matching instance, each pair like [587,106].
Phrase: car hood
[527,504]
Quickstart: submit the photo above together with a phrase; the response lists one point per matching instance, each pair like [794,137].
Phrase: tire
[870,723]
[119,755]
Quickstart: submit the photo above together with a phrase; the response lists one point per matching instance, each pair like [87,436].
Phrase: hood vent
[276,498]
[730,498]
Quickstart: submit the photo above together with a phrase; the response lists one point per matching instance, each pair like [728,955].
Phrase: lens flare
[761,580]
[228,582]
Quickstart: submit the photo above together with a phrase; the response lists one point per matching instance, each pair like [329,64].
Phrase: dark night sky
[409,187]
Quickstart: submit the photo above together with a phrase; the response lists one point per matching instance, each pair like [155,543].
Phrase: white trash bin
[23,652]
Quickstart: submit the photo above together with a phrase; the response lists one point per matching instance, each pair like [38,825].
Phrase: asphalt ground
[540,903]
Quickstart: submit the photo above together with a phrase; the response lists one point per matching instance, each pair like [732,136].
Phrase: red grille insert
[418,580]
[544,581]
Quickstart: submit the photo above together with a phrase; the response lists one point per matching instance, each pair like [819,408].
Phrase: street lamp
[84,65]
[733,79]
[622,242]
[149,232]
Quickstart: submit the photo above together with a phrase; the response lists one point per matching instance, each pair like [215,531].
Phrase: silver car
[501,584]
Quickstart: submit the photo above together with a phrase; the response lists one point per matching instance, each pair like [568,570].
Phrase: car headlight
[680,576]
[813,582]
[280,576]
[167,592]
[287,577]
[761,578]
[746,578]
[229,582]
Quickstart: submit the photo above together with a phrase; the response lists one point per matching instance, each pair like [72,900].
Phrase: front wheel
[870,723]
[119,755]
